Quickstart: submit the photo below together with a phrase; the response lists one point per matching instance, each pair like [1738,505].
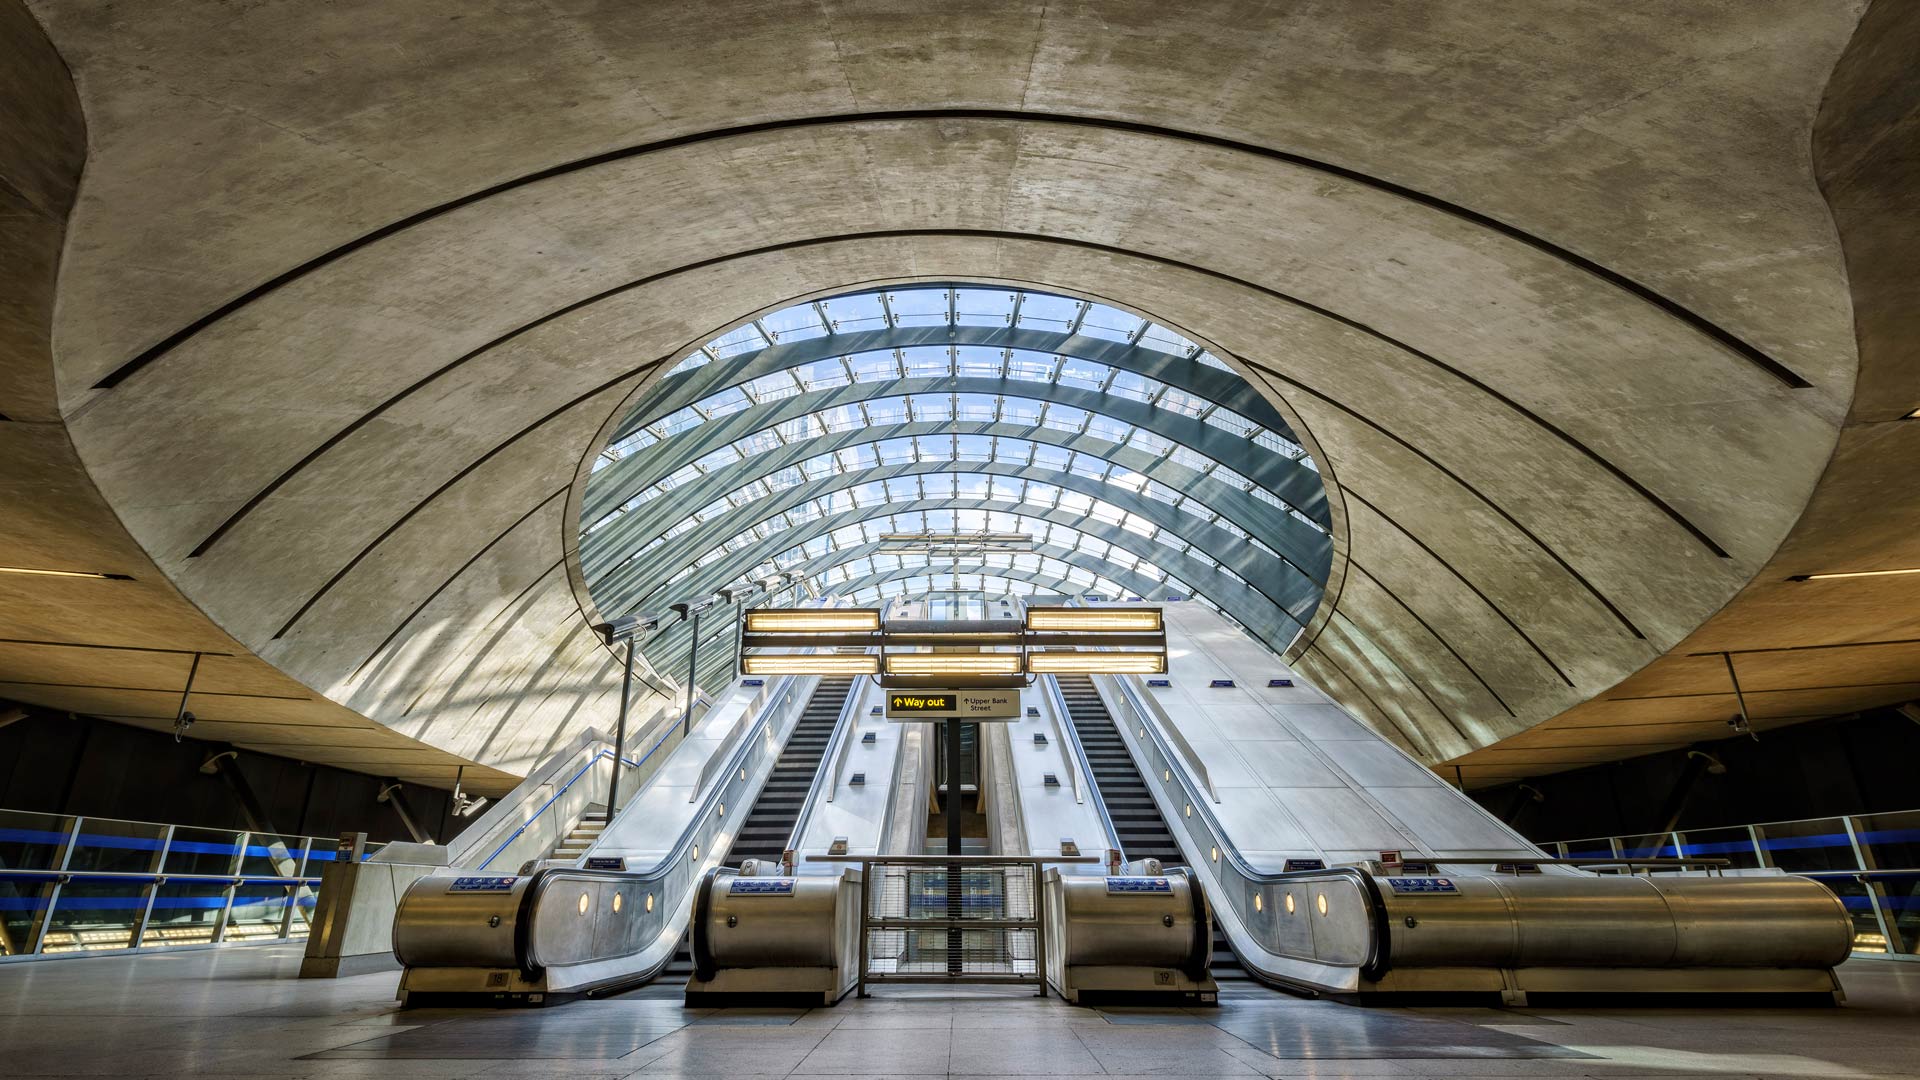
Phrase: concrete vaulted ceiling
[319,315]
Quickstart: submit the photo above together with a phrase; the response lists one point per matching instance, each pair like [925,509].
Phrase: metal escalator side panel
[442,924]
[699,942]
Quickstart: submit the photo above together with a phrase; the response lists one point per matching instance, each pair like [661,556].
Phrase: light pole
[692,610]
[623,629]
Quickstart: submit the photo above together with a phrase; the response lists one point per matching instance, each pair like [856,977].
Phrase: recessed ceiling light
[1853,573]
[1914,415]
[63,573]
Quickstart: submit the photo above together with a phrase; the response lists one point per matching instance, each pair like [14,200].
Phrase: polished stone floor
[240,1012]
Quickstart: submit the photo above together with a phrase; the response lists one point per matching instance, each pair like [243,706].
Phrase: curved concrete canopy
[1552,298]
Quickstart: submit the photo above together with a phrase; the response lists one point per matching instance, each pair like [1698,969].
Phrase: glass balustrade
[71,884]
[1870,861]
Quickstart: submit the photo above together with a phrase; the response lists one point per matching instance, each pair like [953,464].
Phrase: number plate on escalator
[749,886]
[482,884]
[1138,885]
[1413,886]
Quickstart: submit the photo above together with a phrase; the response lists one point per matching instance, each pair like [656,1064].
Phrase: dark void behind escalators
[1142,832]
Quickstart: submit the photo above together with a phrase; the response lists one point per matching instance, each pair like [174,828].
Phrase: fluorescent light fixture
[1135,620]
[1914,415]
[63,573]
[953,664]
[1097,663]
[811,664]
[1854,574]
[851,621]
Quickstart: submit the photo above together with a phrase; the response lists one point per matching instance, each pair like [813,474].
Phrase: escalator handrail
[826,771]
[1058,701]
[684,843]
[1368,888]
[603,754]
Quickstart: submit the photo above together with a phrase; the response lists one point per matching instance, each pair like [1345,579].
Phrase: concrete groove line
[1476,492]
[456,478]
[1336,530]
[1408,608]
[800,244]
[1464,580]
[1356,635]
[495,628]
[1673,308]
[1385,716]
[451,578]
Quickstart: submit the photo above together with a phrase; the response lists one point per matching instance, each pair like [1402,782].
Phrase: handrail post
[233,887]
[38,937]
[153,889]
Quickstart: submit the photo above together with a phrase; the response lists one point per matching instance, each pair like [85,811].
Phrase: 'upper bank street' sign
[953,704]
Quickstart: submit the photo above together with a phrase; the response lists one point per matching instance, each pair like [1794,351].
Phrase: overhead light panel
[1854,573]
[37,572]
[811,664]
[953,664]
[849,621]
[1097,663]
[1127,620]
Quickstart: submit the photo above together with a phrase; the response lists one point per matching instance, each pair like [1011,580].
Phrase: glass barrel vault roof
[1136,462]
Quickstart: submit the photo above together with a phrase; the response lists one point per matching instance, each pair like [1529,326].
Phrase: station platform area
[241,1013]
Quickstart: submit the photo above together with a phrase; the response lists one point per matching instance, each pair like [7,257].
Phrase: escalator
[1142,832]
[561,930]
[764,834]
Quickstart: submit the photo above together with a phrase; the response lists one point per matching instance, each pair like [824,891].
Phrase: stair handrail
[603,754]
[1058,701]
[504,814]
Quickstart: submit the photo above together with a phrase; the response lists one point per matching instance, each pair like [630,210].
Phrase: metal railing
[73,885]
[952,919]
[1870,861]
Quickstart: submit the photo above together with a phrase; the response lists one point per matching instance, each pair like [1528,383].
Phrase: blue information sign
[1138,885]
[761,886]
[482,884]
[1402,886]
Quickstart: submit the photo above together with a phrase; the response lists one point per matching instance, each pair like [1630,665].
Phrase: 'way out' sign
[953,704]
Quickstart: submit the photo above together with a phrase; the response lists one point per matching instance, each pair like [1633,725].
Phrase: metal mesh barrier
[928,919]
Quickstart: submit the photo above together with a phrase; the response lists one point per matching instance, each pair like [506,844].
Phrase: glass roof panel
[1110,323]
[860,311]
[1043,312]
[919,307]
[983,307]
[797,323]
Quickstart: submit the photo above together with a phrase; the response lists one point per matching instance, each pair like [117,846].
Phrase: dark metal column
[693,667]
[954,752]
[620,736]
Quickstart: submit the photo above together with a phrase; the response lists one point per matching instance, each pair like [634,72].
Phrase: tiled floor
[240,1012]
